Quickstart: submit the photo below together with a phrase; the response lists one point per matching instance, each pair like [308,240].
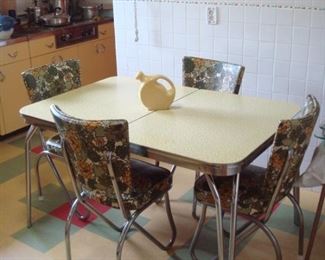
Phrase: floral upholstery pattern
[258,185]
[88,144]
[212,74]
[53,79]
[48,81]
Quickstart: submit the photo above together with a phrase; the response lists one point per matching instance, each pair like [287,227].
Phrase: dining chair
[214,75]
[314,176]
[42,83]
[261,189]
[97,154]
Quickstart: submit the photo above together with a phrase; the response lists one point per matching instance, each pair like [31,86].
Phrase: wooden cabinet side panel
[13,95]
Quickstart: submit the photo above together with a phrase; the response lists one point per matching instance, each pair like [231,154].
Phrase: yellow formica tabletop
[204,130]
[111,98]
[211,131]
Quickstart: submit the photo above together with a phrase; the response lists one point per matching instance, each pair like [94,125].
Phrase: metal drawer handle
[100,48]
[51,45]
[103,32]
[13,55]
[57,59]
[2,77]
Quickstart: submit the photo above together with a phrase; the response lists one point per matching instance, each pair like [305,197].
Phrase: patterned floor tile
[102,229]
[63,211]
[45,233]
[283,220]
[95,240]
[53,197]
[20,141]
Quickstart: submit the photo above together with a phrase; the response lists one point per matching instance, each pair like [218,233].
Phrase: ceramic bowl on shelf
[6,27]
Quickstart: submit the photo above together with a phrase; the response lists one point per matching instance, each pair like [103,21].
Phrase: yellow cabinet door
[55,57]
[97,60]
[13,95]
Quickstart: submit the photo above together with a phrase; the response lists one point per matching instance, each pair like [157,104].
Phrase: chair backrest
[289,146]
[87,144]
[212,74]
[50,80]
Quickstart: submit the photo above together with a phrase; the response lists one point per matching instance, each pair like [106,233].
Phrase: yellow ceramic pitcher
[153,94]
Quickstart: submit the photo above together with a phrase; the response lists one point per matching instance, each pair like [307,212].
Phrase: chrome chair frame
[45,153]
[283,180]
[253,223]
[129,217]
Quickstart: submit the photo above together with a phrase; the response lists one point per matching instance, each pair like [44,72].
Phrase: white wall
[281,43]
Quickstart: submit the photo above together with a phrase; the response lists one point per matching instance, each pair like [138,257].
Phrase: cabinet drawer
[55,57]
[14,52]
[105,30]
[42,46]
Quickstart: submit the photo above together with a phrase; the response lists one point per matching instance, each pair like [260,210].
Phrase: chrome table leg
[31,131]
[218,208]
[233,218]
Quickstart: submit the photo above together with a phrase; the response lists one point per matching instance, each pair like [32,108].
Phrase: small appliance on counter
[91,11]
[7,24]
[58,15]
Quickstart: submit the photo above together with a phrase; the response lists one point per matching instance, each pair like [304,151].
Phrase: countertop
[34,31]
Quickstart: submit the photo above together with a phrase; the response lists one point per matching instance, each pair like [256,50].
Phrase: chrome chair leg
[172,225]
[198,231]
[194,203]
[296,194]
[92,209]
[38,177]
[301,224]
[132,221]
[122,239]
[315,223]
[171,221]
[271,236]
[67,228]
[57,176]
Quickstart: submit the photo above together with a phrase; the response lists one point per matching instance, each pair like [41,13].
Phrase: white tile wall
[281,42]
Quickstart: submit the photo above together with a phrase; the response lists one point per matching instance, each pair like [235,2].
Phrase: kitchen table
[213,132]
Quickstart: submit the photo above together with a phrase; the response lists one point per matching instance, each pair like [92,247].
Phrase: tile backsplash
[280,42]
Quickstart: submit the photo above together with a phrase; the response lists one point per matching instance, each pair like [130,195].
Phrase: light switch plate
[212,15]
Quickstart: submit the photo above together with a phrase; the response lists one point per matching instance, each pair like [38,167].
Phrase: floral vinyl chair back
[87,145]
[53,79]
[290,143]
[212,74]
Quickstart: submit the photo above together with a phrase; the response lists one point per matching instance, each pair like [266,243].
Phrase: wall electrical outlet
[212,15]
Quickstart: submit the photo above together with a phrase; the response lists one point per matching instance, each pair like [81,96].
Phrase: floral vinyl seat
[260,189]
[97,153]
[148,182]
[44,82]
[209,74]
[251,198]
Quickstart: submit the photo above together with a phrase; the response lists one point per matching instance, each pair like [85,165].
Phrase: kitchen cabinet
[43,51]
[55,57]
[97,61]
[42,46]
[97,57]
[14,59]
